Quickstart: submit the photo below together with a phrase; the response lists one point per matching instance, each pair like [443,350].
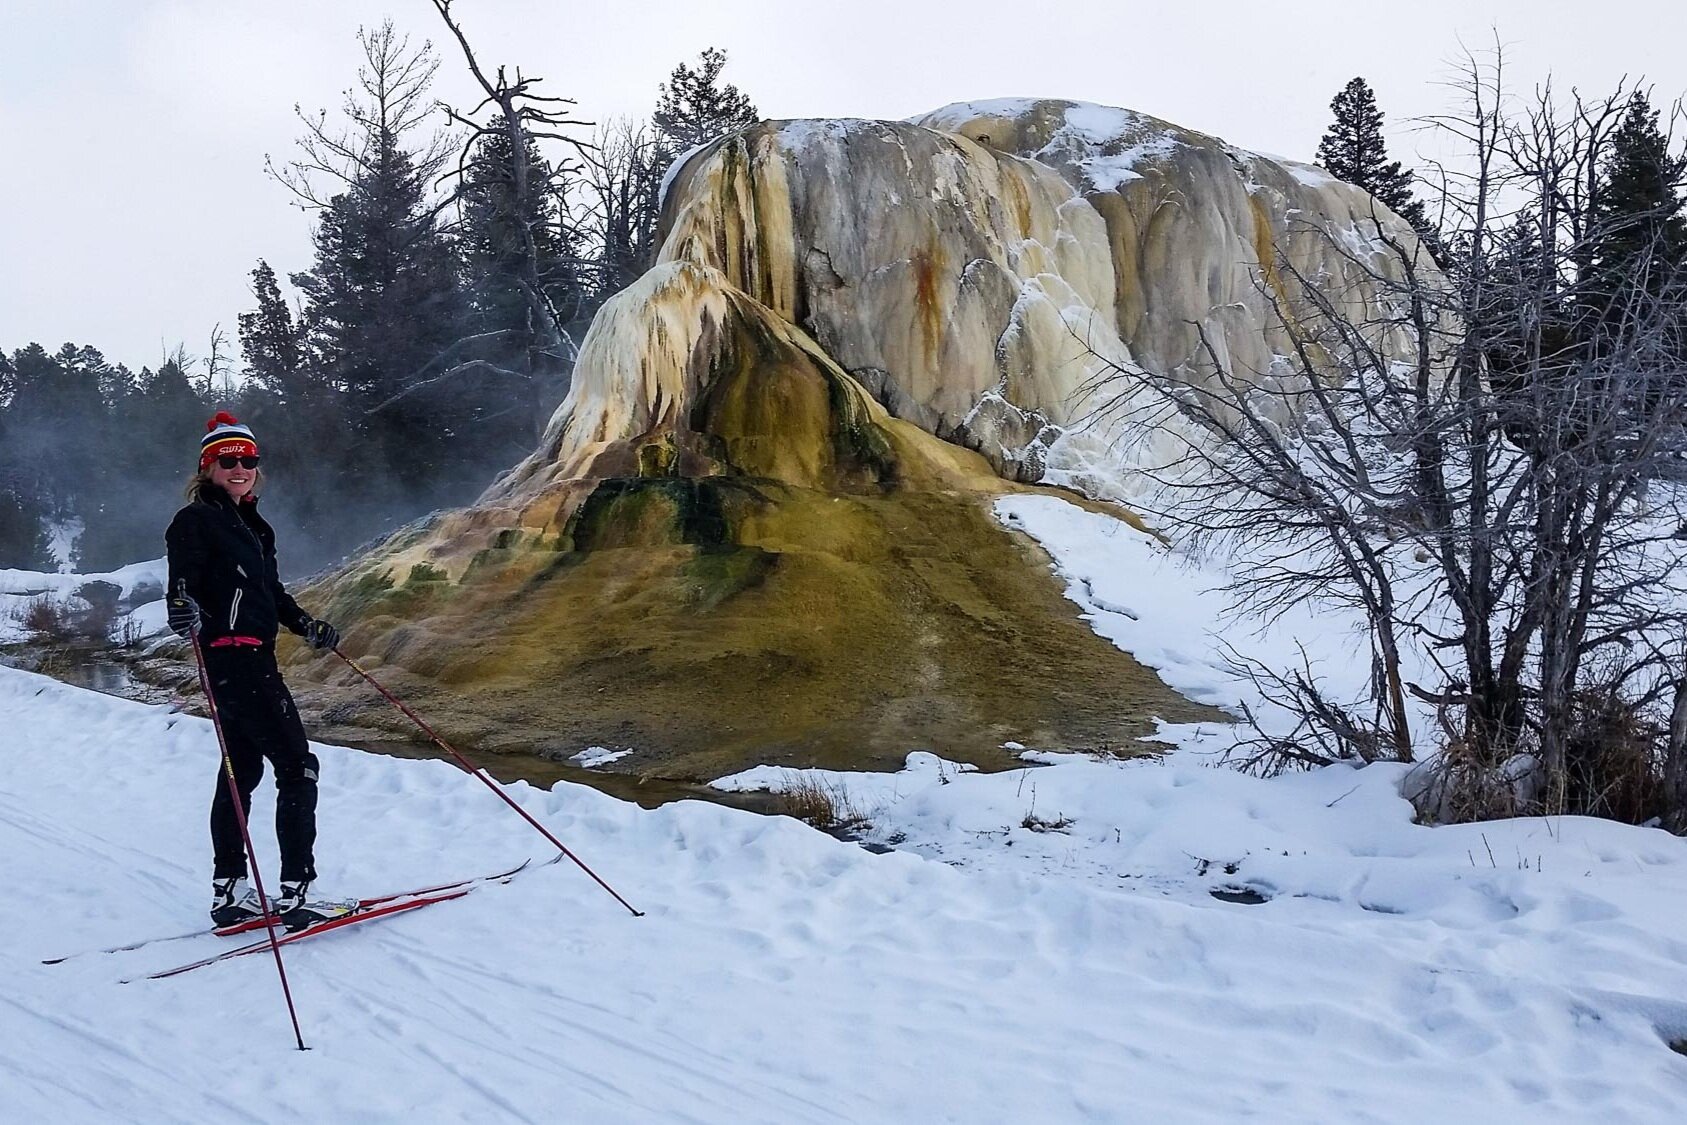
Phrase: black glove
[320,634]
[182,614]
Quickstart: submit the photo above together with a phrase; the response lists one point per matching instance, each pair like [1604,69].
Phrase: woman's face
[237,482]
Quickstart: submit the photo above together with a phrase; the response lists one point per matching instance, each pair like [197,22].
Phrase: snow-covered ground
[1173,613]
[1039,945]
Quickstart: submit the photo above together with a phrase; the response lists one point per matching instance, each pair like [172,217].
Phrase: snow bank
[19,589]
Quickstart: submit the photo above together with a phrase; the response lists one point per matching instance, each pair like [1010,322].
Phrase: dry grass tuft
[1614,765]
[46,620]
[825,805]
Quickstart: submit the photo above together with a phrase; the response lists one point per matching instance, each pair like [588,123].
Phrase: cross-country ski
[364,910]
[253,924]
[351,918]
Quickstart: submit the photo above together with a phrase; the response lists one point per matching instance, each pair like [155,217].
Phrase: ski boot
[233,901]
[296,909]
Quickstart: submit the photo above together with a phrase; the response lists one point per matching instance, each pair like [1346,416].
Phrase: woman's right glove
[320,634]
[182,615]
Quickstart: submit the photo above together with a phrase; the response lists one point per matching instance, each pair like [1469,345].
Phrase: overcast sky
[133,201]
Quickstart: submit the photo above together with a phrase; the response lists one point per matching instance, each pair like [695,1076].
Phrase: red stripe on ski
[364,904]
[400,905]
[311,931]
[258,923]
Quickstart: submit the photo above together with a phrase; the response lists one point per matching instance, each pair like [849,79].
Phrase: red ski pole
[481,774]
[245,835]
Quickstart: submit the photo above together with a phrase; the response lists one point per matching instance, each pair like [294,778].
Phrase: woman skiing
[224,588]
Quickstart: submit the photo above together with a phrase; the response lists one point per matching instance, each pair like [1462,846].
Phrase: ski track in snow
[980,972]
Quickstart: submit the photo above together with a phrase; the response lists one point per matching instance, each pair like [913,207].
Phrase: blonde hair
[202,480]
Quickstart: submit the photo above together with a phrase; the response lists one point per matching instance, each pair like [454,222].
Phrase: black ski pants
[259,721]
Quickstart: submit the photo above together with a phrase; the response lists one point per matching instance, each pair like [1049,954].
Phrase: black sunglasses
[243,462]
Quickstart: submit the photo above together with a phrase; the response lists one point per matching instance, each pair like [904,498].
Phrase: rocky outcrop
[981,268]
[683,374]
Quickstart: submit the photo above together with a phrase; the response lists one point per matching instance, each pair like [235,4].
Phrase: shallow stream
[98,670]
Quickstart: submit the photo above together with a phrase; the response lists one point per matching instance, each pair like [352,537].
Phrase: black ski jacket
[222,555]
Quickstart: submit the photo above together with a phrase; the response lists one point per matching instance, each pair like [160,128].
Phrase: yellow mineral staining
[721,622]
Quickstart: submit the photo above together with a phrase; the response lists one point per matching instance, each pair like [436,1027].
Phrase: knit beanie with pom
[226,436]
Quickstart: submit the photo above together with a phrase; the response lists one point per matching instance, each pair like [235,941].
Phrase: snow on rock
[594,756]
[1394,973]
[1096,145]
[147,620]
[33,583]
[864,793]
[19,589]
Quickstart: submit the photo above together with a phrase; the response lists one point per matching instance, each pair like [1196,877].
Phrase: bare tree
[621,199]
[1675,765]
[520,115]
[1487,478]
[1304,470]
[217,362]
[390,104]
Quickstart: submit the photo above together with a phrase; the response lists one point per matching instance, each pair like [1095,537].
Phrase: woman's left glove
[181,613]
[320,634]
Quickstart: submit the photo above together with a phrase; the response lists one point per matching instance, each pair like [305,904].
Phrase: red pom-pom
[223,418]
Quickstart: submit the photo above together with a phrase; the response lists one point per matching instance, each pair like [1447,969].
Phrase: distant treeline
[420,354]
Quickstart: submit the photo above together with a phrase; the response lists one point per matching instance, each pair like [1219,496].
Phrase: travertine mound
[748,560]
[757,528]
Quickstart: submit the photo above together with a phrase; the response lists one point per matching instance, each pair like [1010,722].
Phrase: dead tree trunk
[1675,763]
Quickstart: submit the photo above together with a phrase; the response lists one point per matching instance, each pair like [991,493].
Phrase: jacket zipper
[239,591]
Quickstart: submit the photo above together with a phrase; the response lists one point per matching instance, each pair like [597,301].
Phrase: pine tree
[691,107]
[170,405]
[56,412]
[288,399]
[501,228]
[383,298]
[1639,232]
[271,342]
[24,542]
[1633,264]
[156,427]
[1353,150]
